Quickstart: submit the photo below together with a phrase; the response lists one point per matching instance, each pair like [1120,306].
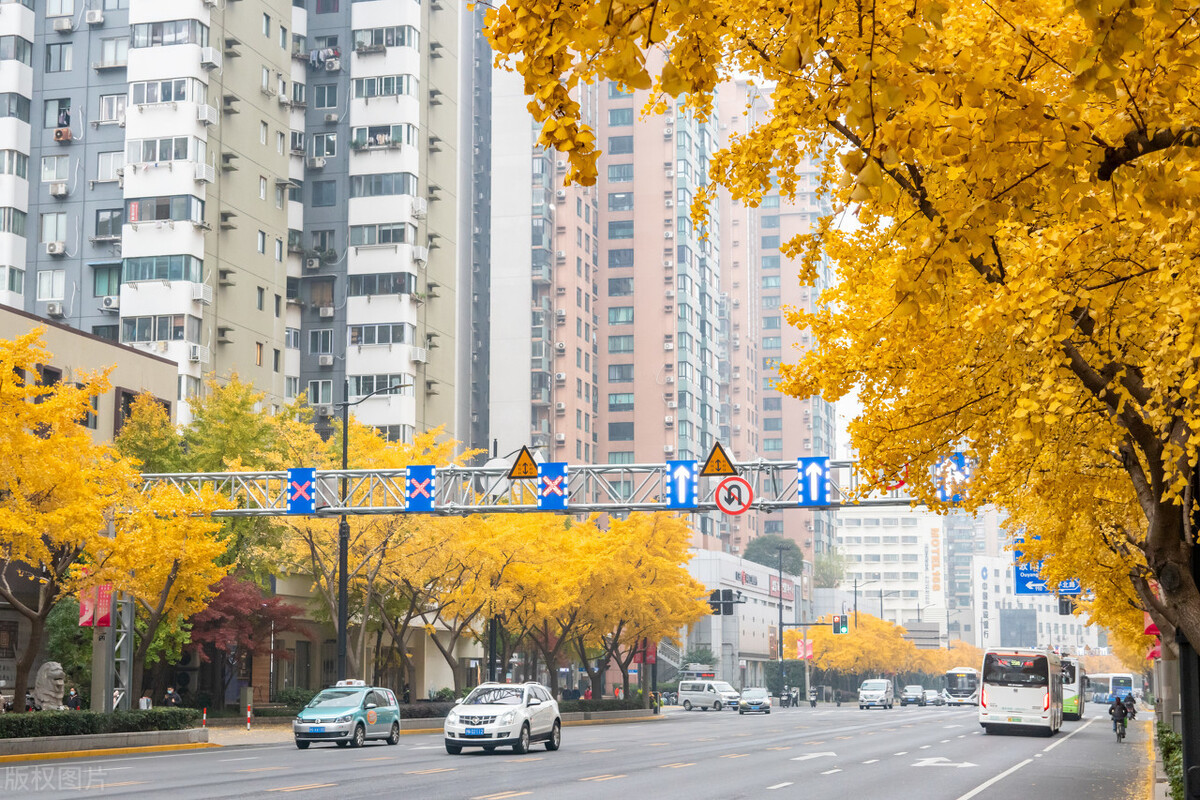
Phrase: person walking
[812,696]
[172,699]
[74,701]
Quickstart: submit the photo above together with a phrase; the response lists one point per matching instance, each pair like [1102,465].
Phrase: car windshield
[913,689]
[754,694]
[874,686]
[722,686]
[495,695]
[337,698]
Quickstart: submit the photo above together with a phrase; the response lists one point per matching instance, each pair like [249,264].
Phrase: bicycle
[1119,726]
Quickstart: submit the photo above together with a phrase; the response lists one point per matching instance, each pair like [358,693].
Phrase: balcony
[540,397]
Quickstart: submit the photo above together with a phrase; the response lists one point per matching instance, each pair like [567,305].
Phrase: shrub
[81,723]
[444,695]
[294,696]
[570,706]
[425,710]
[199,700]
[1170,747]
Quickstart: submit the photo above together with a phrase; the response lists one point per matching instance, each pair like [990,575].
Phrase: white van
[876,692]
[707,694]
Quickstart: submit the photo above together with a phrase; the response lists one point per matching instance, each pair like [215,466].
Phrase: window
[772,404]
[263,131]
[171,90]
[771,323]
[620,431]
[620,344]
[615,90]
[108,164]
[177,208]
[12,279]
[51,284]
[320,392]
[620,457]
[372,39]
[110,332]
[773,424]
[620,201]
[383,233]
[53,228]
[291,338]
[620,258]
[770,282]
[278,249]
[12,220]
[620,402]
[16,48]
[620,315]
[324,193]
[772,342]
[324,145]
[56,113]
[770,262]
[362,385]
[620,373]
[114,52]
[327,6]
[108,224]
[383,184]
[13,162]
[325,95]
[58,57]
[320,342]
[266,25]
[770,243]
[619,145]
[387,333]
[262,248]
[770,302]
[60,8]
[620,173]
[174,148]
[385,86]
[620,287]
[323,240]
[620,229]
[14,105]
[163,268]
[55,168]
[106,280]
[771,221]
[383,135]
[262,188]
[773,445]
[619,117]
[160,34]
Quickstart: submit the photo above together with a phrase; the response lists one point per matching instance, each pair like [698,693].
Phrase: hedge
[81,723]
[1170,747]
[570,706]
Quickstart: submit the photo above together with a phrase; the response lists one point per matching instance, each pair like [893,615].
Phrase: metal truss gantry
[611,488]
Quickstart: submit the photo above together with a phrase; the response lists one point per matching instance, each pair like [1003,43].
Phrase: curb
[109,751]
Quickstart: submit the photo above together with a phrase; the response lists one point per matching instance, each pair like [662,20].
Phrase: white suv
[499,714]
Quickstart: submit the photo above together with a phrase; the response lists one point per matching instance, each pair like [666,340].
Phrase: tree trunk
[37,629]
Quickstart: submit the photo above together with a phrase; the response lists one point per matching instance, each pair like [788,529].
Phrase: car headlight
[346,718]
[452,718]
[507,718]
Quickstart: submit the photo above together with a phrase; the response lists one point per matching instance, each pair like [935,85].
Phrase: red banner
[651,652]
[87,607]
[789,588]
[104,605]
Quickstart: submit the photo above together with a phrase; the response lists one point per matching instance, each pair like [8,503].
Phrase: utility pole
[1189,676]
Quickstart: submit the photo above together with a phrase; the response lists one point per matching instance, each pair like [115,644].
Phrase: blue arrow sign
[420,487]
[951,476]
[302,491]
[1029,579]
[682,485]
[813,481]
[552,486]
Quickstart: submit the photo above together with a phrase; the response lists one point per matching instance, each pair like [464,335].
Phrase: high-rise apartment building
[262,187]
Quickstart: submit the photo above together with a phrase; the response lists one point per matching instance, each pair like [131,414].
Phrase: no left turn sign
[734,495]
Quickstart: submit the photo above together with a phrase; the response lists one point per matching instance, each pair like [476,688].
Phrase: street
[930,753]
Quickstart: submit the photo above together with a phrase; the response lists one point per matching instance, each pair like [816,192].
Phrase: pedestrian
[837,697]
[785,697]
[407,694]
[172,699]
[74,701]
[144,702]
[812,696]
[587,693]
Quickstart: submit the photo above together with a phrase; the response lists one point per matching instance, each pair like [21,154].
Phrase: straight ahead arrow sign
[681,476]
[808,756]
[942,762]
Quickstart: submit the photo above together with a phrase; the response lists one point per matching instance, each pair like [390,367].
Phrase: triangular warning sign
[718,463]
[524,466]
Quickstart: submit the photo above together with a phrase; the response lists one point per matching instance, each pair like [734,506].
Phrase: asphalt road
[924,753]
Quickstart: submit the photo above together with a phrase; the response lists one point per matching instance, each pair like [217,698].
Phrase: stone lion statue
[48,687]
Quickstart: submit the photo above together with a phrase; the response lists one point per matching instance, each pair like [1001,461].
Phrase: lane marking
[500,795]
[925,746]
[830,771]
[302,788]
[735,755]
[997,778]
[103,786]
[604,750]
[527,758]
[677,765]
[820,742]
[430,771]
[901,753]
[780,785]
[599,778]
[665,744]
[1069,735]
[783,747]
[943,741]
[872,761]
[376,758]
[260,769]
[247,758]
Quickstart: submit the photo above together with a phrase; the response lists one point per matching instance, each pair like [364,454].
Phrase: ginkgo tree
[1021,285]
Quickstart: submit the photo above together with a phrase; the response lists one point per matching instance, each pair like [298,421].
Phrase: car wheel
[555,739]
[453,749]
[394,738]
[768,711]
[741,711]
[987,729]
[301,745]
[861,707]
[687,705]
[360,736]
[717,706]
[522,745]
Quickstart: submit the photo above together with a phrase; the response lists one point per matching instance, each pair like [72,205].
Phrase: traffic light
[1066,604]
[714,601]
[727,601]
[841,623]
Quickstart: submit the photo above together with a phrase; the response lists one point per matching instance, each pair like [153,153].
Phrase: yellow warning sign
[524,466]
[718,463]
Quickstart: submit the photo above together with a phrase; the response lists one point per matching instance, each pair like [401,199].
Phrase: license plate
[1014,719]
[474,731]
[316,728]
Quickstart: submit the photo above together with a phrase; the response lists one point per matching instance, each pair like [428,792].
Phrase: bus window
[1019,670]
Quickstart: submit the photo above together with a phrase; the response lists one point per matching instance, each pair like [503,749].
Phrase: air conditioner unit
[560,377]
[420,255]
[210,3]
[316,162]
[58,189]
[312,263]
[560,438]
[198,353]
[110,302]
[325,361]
[670,173]
[670,293]
[333,64]
[63,25]
[669,379]
[561,313]
[668,132]
[420,355]
[62,134]
[420,207]
[668,420]
[737,428]
[560,347]
[561,166]
[668,234]
[94,16]
[206,114]
[668,263]
[737,406]
[561,254]
[560,406]
[324,411]
[54,309]
[670,203]
[672,404]
[668,448]
[210,58]
[331,117]
[561,194]
[56,248]
[326,312]
[668,345]
[205,173]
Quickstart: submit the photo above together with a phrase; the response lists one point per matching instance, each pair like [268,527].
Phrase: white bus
[1104,686]
[962,687]
[1020,690]
[1074,688]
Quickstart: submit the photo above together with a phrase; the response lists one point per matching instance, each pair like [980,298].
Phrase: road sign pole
[1189,679]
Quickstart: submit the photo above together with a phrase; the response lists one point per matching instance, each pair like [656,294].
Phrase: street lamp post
[344,525]
[856,585]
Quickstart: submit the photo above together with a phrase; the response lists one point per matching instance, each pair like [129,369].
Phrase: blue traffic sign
[813,481]
[682,485]
[951,476]
[420,487]
[552,490]
[1029,580]
[302,490]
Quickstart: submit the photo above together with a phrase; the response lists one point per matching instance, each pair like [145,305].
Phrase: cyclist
[1118,713]
[1130,706]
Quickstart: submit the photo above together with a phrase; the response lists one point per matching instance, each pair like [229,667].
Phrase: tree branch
[1139,142]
